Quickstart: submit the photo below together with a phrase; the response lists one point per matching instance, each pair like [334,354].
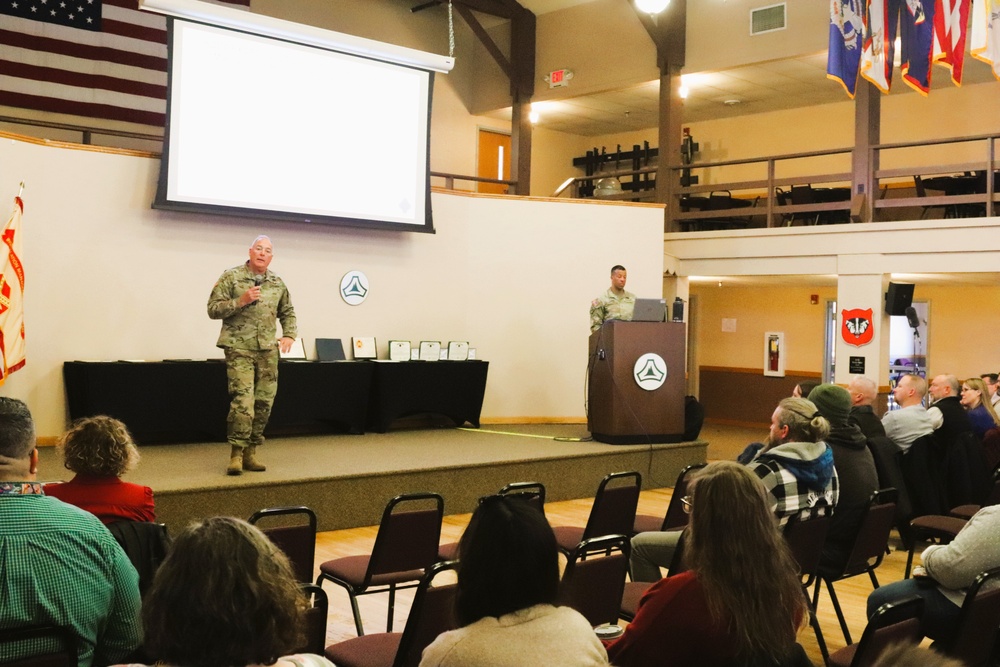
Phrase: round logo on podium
[650,371]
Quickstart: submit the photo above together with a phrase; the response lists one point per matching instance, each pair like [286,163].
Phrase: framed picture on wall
[774,353]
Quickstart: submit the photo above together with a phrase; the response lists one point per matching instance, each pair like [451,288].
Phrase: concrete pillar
[864,340]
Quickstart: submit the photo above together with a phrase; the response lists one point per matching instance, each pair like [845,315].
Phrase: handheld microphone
[257,280]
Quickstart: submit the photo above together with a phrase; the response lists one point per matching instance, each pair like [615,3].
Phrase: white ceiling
[769,86]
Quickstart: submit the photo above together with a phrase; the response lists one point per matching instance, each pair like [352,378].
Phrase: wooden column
[864,187]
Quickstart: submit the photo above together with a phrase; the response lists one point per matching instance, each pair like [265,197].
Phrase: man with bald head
[863,393]
[59,565]
[911,420]
[945,391]
[250,299]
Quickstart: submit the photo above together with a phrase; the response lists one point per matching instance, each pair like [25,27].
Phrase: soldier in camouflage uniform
[249,299]
[615,304]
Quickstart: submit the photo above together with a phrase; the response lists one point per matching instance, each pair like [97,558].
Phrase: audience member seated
[856,471]
[796,467]
[225,596]
[992,380]
[508,580]
[863,393]
[58,564]
[740,601]
[947,571]
[802,389]
[944,391]
[911,420]
[981,412]
[100,450]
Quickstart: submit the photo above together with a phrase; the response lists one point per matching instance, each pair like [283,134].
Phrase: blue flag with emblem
[844,54]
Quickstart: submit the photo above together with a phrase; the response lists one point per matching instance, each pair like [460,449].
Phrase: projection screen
[269,119]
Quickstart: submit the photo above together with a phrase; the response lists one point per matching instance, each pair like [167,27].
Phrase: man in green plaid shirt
[59,565]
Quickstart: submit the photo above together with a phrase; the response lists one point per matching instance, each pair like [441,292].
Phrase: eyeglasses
[686,502]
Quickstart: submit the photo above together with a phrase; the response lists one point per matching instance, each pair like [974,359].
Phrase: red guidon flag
[11,295]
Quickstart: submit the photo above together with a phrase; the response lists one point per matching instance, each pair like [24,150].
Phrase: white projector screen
[268,128]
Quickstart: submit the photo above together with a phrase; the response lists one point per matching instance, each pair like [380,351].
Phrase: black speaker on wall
[898,298]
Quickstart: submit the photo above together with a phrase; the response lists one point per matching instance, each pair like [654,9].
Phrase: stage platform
[348,479]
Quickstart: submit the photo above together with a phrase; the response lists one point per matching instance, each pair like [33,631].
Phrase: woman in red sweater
[740,602]
[100,450]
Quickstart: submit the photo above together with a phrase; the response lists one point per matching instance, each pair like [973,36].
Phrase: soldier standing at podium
[249,300]
[615,304]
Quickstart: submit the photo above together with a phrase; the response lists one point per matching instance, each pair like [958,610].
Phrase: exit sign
[559,78]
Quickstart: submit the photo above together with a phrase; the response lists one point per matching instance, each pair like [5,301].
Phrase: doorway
[493,161]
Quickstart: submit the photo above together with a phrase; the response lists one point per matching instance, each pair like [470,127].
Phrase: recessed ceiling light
[733,102]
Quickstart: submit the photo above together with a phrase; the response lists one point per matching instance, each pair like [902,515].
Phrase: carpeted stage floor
[348,479]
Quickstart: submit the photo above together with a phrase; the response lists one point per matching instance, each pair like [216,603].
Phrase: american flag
[91,58]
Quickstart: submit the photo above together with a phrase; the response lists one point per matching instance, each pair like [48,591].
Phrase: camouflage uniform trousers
[253,382]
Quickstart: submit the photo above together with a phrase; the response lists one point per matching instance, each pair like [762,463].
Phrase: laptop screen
[650,310]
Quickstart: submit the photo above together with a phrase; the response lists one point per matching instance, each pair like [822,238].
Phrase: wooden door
[494,161]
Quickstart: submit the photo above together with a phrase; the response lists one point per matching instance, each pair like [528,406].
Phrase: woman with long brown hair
[739,603]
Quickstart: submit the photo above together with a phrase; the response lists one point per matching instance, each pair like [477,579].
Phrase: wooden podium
[628,404]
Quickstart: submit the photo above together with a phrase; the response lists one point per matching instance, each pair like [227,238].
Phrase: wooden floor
[852,593]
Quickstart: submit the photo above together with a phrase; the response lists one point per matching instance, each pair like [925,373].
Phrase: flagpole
[21,189]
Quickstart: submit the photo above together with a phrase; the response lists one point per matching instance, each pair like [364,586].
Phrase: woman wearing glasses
[508,579]
[740,602]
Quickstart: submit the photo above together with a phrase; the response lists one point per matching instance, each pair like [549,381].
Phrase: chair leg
[909,559]
[814,622]
[840,612]
[392,606]
[357,614]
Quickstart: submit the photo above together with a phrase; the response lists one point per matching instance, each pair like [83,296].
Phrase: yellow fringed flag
[11,295]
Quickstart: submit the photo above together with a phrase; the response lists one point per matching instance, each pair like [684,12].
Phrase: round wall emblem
[354,287]
[650,371]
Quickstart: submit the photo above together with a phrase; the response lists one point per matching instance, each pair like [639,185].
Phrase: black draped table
[187,401]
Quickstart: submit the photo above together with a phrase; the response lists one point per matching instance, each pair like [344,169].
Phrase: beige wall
[110,278]
[958,338]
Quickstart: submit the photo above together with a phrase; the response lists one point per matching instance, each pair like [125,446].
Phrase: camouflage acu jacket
[251,327]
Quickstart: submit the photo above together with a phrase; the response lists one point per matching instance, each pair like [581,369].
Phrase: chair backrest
[918,184]
[594,579]
[978,621]
[146,544]
[534,491]
[315,619]
[892,623]
[297,541]
[42,646]
[805,537]
[873,533]
[613,512]
[408,535]
[803,194]
[676,518]
[431,613]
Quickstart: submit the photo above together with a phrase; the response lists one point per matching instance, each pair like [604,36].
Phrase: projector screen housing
[272,127]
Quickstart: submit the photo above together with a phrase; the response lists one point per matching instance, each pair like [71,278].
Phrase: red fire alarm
[814,299]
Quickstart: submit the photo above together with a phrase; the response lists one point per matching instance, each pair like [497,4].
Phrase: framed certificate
[458,350]
[364,347]
[399,350]
[298,351]
[430,350]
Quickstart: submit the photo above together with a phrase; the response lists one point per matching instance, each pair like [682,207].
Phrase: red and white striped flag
[951,18]
[91,58]
[984,43]
[11,295]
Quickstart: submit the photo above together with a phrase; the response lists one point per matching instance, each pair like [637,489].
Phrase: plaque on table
[298,351]
[458,350]
[364,347]
[399,350]
[330,349]
[430,350]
